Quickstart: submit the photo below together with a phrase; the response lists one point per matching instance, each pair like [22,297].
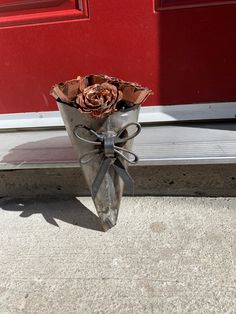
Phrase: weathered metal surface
[107,199]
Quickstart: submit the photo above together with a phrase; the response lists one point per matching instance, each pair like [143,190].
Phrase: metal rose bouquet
[100,114]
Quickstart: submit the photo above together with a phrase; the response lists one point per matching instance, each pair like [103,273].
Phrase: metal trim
[142,162]
[152,114]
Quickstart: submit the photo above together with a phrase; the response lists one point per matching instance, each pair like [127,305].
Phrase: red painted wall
[186,55]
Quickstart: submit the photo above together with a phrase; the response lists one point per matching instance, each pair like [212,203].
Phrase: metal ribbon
[113,155]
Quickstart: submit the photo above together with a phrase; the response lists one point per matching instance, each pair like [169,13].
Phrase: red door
[182,49]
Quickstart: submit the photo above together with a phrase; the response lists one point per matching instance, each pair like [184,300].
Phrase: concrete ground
[166,255]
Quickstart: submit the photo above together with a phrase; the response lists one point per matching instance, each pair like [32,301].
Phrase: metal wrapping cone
[103,148]
[100,114]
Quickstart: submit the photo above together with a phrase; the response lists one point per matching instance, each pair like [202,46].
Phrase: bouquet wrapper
[103,147]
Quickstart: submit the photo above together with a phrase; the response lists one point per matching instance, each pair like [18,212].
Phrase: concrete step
[177,144]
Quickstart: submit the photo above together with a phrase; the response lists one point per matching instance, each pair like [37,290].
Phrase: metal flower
[66,92]
[99,95]
[99,100]
[132,92]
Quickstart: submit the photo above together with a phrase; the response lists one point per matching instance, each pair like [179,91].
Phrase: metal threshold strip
[180,144]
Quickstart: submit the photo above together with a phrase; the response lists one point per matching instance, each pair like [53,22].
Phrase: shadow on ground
[69,210]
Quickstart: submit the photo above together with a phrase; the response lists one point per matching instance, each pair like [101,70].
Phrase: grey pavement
[166,255]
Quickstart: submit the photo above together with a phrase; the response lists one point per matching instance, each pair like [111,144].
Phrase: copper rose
[132,92]
[100,95]
[99,99]
[66,92]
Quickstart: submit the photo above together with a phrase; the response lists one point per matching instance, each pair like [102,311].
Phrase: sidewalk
[166,255]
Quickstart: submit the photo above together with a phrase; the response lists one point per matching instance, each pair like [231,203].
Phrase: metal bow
[110,145]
